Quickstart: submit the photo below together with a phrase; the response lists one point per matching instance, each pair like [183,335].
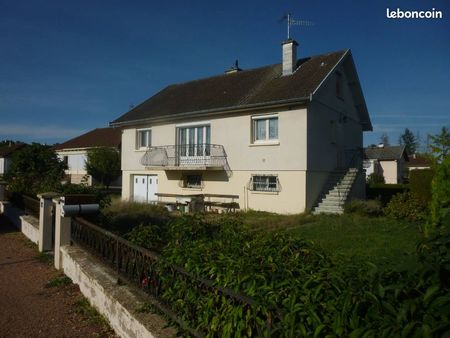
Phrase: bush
[363,208]
[384,192]
[440,205]
[420,184]
[406,206]
[296,289]
[122,216]
[151,236]
[375,178]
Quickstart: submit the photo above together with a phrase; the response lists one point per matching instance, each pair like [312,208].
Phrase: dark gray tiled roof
[244,88]
[386,153]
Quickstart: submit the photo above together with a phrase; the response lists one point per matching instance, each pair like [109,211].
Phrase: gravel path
[29,308]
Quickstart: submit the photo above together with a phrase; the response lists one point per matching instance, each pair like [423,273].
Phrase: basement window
[192,181]
[265,183]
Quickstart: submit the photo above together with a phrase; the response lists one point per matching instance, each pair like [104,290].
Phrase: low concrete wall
[118,303]
[29,225]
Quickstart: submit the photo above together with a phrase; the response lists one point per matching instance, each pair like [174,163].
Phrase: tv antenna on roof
[293,22]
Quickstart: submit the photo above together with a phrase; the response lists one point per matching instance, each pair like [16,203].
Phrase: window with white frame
[265,183]
[144,138]
[265,128]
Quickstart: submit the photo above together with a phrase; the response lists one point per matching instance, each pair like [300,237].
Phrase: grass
[83,307]
[58,281]
[380,240]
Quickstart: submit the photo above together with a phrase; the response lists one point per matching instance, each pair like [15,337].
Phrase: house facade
[387,161]
[5,156]
[266,139]
[74,152]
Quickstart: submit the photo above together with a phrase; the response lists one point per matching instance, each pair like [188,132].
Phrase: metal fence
[140,267]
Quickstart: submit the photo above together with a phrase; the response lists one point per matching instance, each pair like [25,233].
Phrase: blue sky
[70,66]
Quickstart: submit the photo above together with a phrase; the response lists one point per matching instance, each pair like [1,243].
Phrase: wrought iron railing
[143,268]
[191,155]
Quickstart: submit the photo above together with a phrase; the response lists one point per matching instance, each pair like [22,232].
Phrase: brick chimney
[289,56]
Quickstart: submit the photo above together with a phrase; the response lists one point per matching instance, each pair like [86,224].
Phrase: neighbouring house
[418,162]
[387,161]
[5,156]
[74,152]
[282,138]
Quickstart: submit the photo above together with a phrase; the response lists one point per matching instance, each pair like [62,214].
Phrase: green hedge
[296,290]
[420,184]
[384,192]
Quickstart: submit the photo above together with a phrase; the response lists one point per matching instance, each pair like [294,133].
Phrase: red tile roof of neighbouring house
[100,137]
[418,161]
[240,90]
[7,150]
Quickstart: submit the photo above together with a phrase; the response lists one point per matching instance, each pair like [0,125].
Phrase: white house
[387,161]
[283,138]
[5,156]
[74,152]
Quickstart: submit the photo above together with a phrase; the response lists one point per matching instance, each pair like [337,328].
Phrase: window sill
[191,189]
[257,192]
[141,150]
[262,143]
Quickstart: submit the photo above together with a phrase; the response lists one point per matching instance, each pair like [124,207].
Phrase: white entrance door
[144,188]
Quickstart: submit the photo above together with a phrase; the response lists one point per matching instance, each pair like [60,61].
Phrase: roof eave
[213,112]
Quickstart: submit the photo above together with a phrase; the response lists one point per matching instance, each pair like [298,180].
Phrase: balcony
[186,157]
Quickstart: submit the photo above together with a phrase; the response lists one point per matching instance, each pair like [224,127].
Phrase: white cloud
[38,132]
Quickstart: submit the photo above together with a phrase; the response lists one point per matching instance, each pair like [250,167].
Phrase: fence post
[45,220]
[62,230]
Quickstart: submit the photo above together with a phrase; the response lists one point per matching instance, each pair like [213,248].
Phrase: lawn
[380,240]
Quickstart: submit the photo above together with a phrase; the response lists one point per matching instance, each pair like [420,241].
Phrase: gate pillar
[46,221]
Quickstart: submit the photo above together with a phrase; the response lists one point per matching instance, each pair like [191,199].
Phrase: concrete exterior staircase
[336,192]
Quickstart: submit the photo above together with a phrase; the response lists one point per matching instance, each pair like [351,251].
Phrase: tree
[34,169]
[409,140]
[384,139]
[103,164]
[440,144]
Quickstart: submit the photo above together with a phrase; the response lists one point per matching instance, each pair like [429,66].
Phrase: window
[66,160]
[265,128]
[144,138]
[192,181]
[194,141]
[265,183]
[333,132]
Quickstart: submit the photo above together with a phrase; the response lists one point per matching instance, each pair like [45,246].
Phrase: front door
[144,188]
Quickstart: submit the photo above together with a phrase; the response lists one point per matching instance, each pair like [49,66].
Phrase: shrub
[384,192]
[122,216]
[375,178]
[363,208]
[296,290]
[406,206]
[440,205]
[420,184]
[150,236]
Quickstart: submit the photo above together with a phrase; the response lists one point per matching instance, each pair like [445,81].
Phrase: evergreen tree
[409,140]
[440,144]
[384,139]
